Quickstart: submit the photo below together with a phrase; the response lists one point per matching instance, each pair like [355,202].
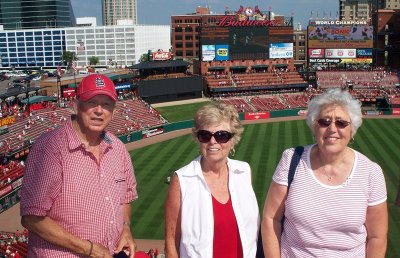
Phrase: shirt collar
[196,170]
[75,142]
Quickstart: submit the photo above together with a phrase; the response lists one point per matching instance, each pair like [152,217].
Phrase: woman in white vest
[211,209]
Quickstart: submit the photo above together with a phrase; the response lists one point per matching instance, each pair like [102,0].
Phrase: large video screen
[243,43]
[248,42]
[340,36]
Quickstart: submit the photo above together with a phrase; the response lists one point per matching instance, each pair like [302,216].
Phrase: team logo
[100,83]
[249,12]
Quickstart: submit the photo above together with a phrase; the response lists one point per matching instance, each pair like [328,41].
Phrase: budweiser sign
[230,21]
[161,55]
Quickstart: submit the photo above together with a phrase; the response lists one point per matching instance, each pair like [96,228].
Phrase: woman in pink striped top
[336,206]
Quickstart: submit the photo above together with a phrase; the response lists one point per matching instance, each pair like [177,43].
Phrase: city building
[28,14]
[387,42]
[37,47]
[185,32]
[120,45]
[355,10]
[185,29]
[115,10]
[86,22]
[300,47]
[112,45]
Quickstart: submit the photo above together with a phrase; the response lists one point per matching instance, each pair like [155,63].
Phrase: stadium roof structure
[159,64]
[38,99]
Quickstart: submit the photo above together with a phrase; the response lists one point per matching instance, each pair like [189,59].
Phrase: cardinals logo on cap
[100,83]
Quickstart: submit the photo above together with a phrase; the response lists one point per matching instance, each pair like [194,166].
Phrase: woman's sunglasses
[220,136]
[339,123]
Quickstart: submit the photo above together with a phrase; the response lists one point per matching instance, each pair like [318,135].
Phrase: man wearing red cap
[79,182]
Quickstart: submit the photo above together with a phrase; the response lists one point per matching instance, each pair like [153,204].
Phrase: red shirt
[64,182]
[227,242]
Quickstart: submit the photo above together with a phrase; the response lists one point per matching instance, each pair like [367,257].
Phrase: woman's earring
[232,152]
[351,141]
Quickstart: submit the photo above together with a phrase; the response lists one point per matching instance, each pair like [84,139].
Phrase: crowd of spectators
[131,115]
[359,79]
[14,244]
[277,77]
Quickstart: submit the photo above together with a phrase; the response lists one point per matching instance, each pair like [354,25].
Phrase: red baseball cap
[96,84]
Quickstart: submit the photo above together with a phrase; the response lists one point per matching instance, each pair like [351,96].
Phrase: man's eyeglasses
[220,136]
[339,123]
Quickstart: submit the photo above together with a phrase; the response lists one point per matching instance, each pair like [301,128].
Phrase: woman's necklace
[326,174]
[329,177]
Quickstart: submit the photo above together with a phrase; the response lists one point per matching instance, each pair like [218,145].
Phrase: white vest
[197,219]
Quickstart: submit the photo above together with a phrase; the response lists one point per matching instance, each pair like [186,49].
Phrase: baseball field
[261,146]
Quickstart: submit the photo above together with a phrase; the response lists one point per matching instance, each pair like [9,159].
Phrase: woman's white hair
[335,97]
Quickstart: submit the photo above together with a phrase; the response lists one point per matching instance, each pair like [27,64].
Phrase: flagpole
[74,70]
[75,83]
[58,90]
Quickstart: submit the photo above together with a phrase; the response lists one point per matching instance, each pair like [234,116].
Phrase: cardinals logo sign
[248,13]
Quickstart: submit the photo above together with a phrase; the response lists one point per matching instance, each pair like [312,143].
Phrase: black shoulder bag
[298,151]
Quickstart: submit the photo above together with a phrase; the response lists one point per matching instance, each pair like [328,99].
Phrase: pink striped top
[328,221]
[64,182]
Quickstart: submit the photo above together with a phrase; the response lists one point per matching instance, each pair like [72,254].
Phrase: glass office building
[42,47]
[31,14]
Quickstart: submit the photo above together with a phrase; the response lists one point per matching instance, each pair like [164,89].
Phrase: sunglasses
[339,123]
[220,136]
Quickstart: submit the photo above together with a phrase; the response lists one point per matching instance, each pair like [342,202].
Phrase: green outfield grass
[180,112]
[261,146]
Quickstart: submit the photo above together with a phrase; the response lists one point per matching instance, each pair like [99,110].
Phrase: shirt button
[101,175]
[111,222]
[107,198]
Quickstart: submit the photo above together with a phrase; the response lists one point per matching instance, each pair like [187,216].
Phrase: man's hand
[126,242]
[100,251]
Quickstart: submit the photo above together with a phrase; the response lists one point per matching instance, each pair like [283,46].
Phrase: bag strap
[298,151]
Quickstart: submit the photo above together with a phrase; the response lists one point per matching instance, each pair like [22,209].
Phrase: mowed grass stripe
[174,154]
[154,168]
[387,150]
[153,179]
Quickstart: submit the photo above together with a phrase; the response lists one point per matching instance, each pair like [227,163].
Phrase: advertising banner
[256,115]
[281,50]
[208,52]
[357,60]
[340,36]
[340,53]
[222,52]
[152,132]
[10,199]
[396,111]
[8,120]
[161,55]
[316,53]
[325,60]
[122,86]
[372,113]
[5,190]
[69,92]
[364,52]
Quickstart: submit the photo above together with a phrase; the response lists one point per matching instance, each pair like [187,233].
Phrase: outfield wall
[135,136]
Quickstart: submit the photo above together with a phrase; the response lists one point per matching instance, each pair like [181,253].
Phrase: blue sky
[160,11]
